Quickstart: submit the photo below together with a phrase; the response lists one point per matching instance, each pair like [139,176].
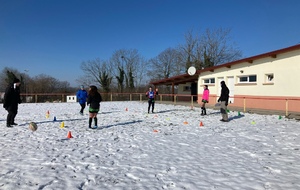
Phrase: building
[266,81]
[71,99]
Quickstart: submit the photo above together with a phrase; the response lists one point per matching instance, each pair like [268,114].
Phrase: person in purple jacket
[205,98]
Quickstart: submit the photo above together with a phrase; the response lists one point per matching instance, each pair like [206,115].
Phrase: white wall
[285,68]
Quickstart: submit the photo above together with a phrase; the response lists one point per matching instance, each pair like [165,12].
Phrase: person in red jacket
[205,98]
[151,98]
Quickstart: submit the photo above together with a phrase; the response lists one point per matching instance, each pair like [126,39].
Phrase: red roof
[184,78]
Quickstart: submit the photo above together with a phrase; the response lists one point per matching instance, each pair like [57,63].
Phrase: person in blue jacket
[151,98]
[82,96]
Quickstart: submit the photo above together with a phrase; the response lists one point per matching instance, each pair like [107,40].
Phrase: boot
[90,122]
[95,121]
[204,111]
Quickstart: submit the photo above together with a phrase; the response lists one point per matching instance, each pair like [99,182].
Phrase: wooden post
[173,91]
[286,107]
[244,105]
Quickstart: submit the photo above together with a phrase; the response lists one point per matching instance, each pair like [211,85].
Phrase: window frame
[248,79]
[210,81]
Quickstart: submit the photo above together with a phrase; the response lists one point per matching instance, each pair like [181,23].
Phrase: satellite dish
[191,70]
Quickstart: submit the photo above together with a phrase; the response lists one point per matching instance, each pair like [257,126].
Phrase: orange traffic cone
[201,124]
[155,130]
[126,109]
[69,135]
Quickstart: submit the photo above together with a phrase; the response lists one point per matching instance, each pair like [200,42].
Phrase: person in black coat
[11,101]
[93,100]
[224,101]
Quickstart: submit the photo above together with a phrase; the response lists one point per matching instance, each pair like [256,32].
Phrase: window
[269,78]
[247,79]
[209,81]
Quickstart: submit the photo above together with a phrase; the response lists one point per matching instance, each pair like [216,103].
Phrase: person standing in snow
[93,100]
[205,98]
[82,96]
[151,98]
[224,101]
[11,101]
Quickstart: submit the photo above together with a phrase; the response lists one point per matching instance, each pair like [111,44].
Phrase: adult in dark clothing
[151,98]
[94,99]
[224,101]
[11,101]
[82,96]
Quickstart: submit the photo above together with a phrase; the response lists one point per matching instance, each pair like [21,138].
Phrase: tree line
[38,84]
[128,71]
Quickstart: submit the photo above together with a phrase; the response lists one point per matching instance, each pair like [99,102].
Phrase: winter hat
[81,86]
[222,83]
[16,80]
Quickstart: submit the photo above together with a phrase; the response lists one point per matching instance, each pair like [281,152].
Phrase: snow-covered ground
[136,150]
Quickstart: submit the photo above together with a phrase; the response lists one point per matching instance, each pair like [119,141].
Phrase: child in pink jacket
[205,98]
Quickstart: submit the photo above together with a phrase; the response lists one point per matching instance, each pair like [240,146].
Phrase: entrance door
[194,91]
[230,85]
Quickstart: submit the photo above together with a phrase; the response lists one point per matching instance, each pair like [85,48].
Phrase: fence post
[286,107]
[111,97]
[140,97]
[160,97]
[192,101]
[175,99]
[36,100]
[244,104]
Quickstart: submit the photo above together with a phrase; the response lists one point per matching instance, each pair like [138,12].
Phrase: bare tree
[213,47]
[217,47]
[190,51]
[128,67]
[163,65]
[44,84]
[96,71]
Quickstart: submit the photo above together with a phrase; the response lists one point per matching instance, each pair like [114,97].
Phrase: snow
[136,150]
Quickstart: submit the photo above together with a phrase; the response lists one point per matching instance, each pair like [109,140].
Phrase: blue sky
[54,37]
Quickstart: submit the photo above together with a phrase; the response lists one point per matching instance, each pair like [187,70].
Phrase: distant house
[71,99]
[265,81]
